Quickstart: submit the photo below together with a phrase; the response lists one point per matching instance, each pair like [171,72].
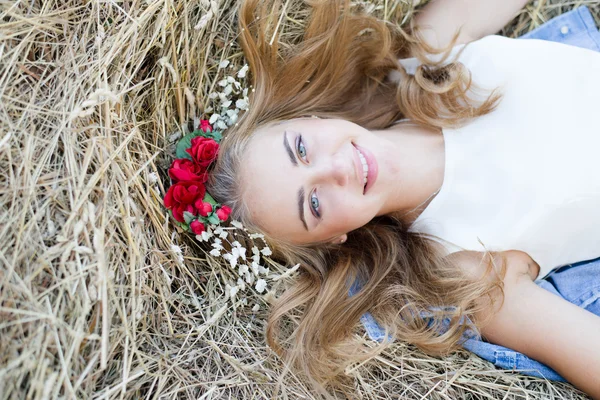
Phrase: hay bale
[95,301]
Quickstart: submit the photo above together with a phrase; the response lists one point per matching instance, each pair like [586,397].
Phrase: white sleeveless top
[526,176]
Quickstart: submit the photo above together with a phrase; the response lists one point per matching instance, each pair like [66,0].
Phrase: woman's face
[304,179]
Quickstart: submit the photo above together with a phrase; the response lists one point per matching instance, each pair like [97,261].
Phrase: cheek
[347,211]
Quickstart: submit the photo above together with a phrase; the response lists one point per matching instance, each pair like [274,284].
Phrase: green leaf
[183,226]
[189,217]
[216,135]
[209,199]
[202,219]
[185,143]
[213,219]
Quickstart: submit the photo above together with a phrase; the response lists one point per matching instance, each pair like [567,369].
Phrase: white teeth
[365,166]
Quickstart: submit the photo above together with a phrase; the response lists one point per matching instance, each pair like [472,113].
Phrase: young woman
[446,218]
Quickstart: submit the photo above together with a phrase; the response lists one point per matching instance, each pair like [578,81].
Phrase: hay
[94,302]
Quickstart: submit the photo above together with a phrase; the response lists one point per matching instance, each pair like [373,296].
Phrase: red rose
[183,169]
[223,213]
[181,197]
[203,151]
[205,126]
[203,207]
[197,227]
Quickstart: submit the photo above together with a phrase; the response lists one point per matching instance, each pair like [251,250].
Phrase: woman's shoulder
[509,265]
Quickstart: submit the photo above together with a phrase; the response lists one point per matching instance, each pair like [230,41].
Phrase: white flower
[152,178]
[226,104]
[228,89]
[242,72]
[249,278]
[213,96]
[218,231]
[204,20]
[223,234]
[261,285]
[263,270]
[241,284]
[220,124]
[230,79]
[266,251]
[222,82]
[256,308]
[242,104]
[237,224]
[224,64]
[243,269]
[233,119]
[242,251]
[255,250]
[256,236]
[232,260]
[178,253]
[206,235]
[214,118]
[254,267]
[233,291]
[215,253]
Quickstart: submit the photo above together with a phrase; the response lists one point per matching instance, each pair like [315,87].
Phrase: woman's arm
[545,327]
[440,20]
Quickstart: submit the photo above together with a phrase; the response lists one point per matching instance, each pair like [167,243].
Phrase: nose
[337,169]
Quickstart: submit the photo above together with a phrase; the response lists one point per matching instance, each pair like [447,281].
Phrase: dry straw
[93,300]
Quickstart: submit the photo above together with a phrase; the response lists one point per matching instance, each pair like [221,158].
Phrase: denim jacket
[577,283]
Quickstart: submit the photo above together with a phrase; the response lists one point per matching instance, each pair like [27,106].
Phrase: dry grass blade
[93,301]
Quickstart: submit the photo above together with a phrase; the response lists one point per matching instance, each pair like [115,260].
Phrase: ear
[339,239]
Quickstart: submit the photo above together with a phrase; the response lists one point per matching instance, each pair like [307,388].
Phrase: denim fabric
[575,28]
[577,283]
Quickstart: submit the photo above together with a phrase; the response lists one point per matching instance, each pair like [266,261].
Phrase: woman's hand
[545,327]
[440,20]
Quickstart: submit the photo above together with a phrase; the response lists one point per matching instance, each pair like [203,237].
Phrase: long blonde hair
[339,70]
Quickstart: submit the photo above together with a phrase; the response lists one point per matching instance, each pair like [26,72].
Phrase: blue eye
[314,204]
[301,149]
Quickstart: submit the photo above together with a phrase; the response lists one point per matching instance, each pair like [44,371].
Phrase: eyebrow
[301,193]
[301,207]
[288,149]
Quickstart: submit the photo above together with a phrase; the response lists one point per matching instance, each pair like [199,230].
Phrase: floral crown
[190,204]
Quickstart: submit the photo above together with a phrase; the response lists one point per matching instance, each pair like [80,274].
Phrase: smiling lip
[373,167]
[358,169]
